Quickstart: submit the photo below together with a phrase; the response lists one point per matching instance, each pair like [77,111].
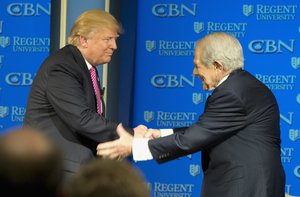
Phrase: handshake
[122,147]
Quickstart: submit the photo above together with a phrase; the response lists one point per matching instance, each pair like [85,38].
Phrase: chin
[205,88]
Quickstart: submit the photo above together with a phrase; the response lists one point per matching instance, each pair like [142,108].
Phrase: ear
[218,66]
[83,41]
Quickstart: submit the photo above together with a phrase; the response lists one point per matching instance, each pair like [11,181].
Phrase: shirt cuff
[140,149]
[166,132]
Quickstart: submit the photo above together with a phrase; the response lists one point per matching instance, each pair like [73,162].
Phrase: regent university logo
[4,111]
[198,27]
[248,10]
[150,45]
[194,170]
[295,62]
[4,41]
[294,134]
[148,116]
[197,98]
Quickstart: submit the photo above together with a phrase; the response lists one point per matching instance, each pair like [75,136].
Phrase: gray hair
[222,48]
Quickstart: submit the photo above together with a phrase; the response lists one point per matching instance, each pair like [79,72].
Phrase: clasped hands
[122,147]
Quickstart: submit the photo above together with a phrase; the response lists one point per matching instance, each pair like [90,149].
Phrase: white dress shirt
[87,63]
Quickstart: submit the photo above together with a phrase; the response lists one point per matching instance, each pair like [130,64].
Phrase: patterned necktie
[96,89]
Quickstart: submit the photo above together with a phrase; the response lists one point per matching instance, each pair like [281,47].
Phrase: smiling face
[216,55]
[210,75]
[94,33]
[99,47]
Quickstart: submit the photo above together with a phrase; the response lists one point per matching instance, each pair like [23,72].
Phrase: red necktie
[96,89]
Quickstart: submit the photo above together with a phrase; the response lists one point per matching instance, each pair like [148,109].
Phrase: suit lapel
[81,62]
[79,59]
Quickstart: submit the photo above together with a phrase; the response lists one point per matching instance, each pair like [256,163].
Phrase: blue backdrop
[24,44]
[167,95]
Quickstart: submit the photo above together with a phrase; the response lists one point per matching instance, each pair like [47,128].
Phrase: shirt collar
[224,78]
[89,66]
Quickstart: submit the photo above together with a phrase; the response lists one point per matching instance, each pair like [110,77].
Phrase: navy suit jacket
[239,136]
[62,104]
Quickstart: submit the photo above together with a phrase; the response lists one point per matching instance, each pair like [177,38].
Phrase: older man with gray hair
[238,132]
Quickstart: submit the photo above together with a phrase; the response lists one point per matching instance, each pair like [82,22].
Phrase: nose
[114,44]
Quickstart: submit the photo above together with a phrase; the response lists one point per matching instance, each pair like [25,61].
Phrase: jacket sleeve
[66,91]
[224,115]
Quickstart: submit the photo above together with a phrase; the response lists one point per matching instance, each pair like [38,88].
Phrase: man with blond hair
[65,99]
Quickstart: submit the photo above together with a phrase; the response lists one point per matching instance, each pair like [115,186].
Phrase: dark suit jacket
[239,136]
[62,103]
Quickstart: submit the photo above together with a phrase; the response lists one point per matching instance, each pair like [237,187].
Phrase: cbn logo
[248,10]
[28,9]
[172,81]
[150,45]
[19,79]
[4,111]
[271,46]
[174,10]
[148,116]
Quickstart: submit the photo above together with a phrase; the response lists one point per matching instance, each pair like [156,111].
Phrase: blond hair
[91,22]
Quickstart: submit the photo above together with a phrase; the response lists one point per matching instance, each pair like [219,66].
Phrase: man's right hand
[117,149]
[152,134]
